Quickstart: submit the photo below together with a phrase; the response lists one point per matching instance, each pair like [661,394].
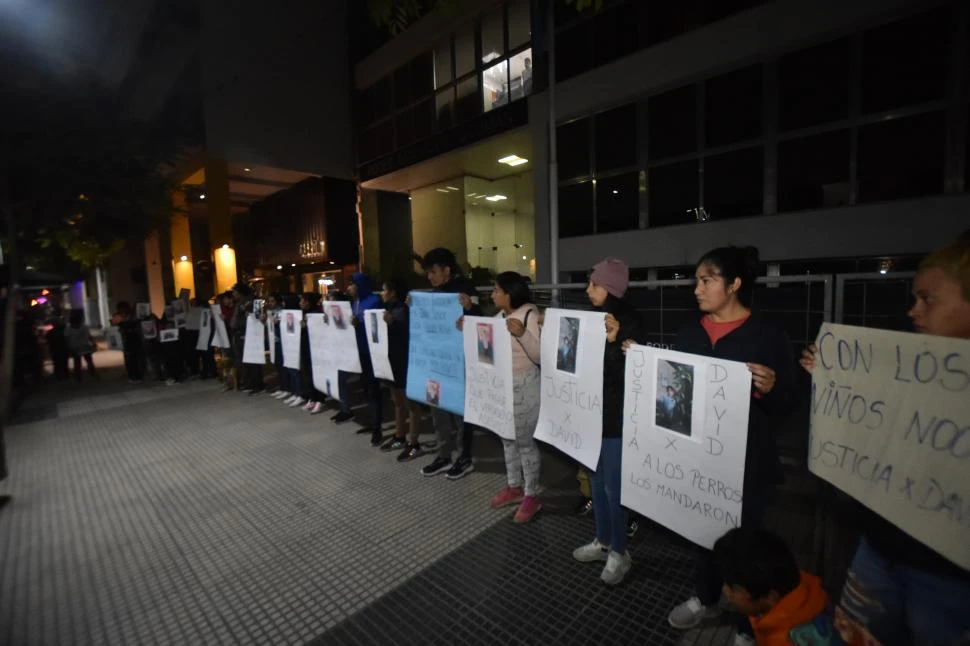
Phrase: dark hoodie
[366,300]
[614,362]
[458,284]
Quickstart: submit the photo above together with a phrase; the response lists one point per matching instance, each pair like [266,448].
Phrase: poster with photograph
[143,310]
[254,351]
[338,314]
[271,321]
[181,321]
[184,294]
[436,352]
[343,336]
[149,330]
[323,369]
[890,426]
[685,431]
[221,338]
[290,337]
[168,313]
[377,340]
[488,375]
[259,304]
[205,329]
[571,397]
[168,336]
[193,319]
[179,307]
[113,337]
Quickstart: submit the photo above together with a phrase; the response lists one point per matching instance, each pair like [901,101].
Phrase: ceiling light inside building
[225,246]
[292,264]
[442,190]
[452,188]
[248,170]
[496,198]
[278,267]
[615,192]
[184,258]
[513,160]
[327,281]
[202,196]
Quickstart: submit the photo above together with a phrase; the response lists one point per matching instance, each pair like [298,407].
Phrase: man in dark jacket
[445,276]
[251,374]
[362,298]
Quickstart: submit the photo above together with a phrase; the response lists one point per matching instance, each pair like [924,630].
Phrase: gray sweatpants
[522,459]
[445,425]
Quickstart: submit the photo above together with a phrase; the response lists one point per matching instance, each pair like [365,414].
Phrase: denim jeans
[898,604]
[372,390]
[609,515]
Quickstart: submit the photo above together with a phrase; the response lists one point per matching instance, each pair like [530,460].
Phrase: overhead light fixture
[513,160]
[471,195]
[332,262]
[225,246]
[442,190]
[452,188]
[524,258]
[279,267]
[292,264]
[496,198]
[201,196]
[327,281]
[184,258]
[615,192]
[321,281]
[247,169]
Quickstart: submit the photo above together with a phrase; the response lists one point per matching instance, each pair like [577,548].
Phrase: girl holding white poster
[607,285]
[727,328]
[511,295]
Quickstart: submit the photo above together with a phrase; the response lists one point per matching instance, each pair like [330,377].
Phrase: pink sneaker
[527,510]
[507,496]
[308,406]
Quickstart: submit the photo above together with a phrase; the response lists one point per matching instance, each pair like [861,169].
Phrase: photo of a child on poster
[433,392]
[675,395]
[486,348]
[568,344]
[374,328]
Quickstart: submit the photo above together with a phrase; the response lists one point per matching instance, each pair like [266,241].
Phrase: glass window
[466,105]
[572,148]
[381,97]
[404,123]
[445,108]
[672,190]
[442,64]
[905,62]
[576,210]
[520,25]
[464,51]
[574,50]
[614,33]
[402,87]
[902,158]
[423,119]
[814,86]
[616,138]
[493,37]
[617,203]
[734,184]
[495,86]
[422,76]
[733,106]
[665,19]
[813,172]
[520,72]
[672,128]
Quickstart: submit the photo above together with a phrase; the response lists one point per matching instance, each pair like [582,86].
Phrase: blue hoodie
[366,300]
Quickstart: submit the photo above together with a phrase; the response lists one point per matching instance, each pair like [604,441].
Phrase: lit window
[520,73]
[495,83]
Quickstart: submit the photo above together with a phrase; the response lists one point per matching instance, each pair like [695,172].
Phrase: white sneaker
[299,401]
[289,400]
[170,382]
[617,565]
[591,552]
[280,394]
[744,640]
[690,613]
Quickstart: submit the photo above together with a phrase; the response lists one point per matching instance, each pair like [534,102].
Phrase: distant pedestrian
[80,345]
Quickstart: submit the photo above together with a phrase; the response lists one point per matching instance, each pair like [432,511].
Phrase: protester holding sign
[291,321]
[363,298]
[271,317]
[513,299]
[445,276]
[727,328]
[608,283]
[250,373]
[313,398]
[899,591]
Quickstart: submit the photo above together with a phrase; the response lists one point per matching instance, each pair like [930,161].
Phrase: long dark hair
[516,286]
[735,262]
[399,286]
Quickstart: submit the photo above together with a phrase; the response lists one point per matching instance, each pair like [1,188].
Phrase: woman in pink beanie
[607,285]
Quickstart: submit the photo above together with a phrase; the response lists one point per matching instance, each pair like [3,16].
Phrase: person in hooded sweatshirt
[362,298]
[607,286]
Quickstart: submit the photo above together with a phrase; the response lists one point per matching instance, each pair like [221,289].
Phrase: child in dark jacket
[786,607]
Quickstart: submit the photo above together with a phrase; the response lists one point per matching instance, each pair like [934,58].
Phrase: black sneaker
[461,468]
[394,443]
[632,526]
[585,506]
[439,465]
[410,452]
[376,437]
[342,417]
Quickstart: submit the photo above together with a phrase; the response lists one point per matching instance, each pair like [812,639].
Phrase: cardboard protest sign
[571,399]
[322,361]
[290,330]
[488,375]
[205,329]
[343,336]
[377,342]
[253,345]
[436,353]
[891,427]
[685,432]
[168,336]
[221,337]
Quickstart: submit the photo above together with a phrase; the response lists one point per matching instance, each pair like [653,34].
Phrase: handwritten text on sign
[685,432]
[436,356]
[488,375]
[891,427]
[571,399]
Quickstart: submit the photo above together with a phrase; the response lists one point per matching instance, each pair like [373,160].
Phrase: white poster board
[377,342]
[343,336]
[143,310]
[221,337]
[890,426]
[488,374]
[290,337]
[205,329]
[685,431]
[149,330]
[193,320]
[168,336]
[253,345]
[271,320]
[322,366]
[571,399]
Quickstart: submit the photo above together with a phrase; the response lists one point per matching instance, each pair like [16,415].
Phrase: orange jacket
[800,606]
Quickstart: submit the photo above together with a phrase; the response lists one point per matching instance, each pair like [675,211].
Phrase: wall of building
[437,220]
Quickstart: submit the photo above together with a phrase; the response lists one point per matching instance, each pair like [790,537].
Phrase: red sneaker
[527,510]
[507,496]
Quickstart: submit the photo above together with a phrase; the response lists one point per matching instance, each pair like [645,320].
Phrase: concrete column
[153,271]
[220,223]
[181,246]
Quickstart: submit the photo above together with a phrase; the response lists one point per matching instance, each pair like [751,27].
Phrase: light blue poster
[436,355]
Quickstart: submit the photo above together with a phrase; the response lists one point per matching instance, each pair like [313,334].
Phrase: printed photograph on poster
[374,330]
[168,312]
[258,305]
[143,310]
[329,389]
[181,321]
[168,336]
[434,392]
[337,316]
[148,329]
[675,396]
[568,344]
[205,318]
[179,307]
[184,294]
[486,348]
[290,323]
